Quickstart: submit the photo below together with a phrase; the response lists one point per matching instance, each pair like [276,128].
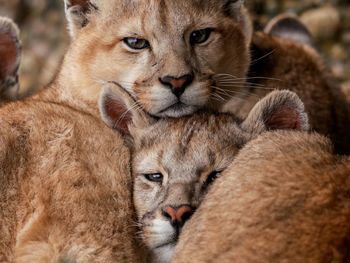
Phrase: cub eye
[136,43]
[211,178]
[157,178]
[200,36]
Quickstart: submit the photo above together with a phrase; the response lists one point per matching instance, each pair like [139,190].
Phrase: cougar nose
[178,216]
[177,85]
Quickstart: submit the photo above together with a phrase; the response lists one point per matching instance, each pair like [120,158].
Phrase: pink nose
[177,83]
[178,216]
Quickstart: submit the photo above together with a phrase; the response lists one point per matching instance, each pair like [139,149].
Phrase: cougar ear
[77,13]
[237,10]
[10,57]
[121,112]
[233,6]
[280,110]
[289,26]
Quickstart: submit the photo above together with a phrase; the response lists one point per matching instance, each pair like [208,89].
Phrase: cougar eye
[136,43]
[157,178]
[212,177]
[200,36]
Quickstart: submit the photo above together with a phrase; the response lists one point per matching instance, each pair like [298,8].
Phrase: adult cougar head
[175,160]
[166,54]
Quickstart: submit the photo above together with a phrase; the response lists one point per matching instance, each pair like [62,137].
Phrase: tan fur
[99,54]
[64,179]
[284,64]
[64,185]
[188,153]
[65,182]
[285,198]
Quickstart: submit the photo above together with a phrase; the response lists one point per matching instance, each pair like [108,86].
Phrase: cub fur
[283,58]
[10,55]
[175,160]
[65,184]
[285,198]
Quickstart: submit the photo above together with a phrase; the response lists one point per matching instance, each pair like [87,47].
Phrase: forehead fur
[160,10]
[168,6]
[199,129]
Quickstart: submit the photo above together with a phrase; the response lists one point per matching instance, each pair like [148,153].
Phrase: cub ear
[120,111]
[10,56]
[77,13]
[280,110]
[233,7]
[237,10]
[288,26]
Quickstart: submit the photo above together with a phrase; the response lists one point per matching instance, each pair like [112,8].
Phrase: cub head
[10,53]
[175,161]
[166,54]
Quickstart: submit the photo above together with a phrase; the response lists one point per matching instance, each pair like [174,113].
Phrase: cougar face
[165,53]
[174,165]
[175,161]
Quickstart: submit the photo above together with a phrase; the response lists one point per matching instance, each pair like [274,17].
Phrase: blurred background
[44,37]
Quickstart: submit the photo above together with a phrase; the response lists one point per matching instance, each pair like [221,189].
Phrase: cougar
[174,161]
[65,186]
[165,53]
[176,57]
[285,198]
[10,55]
[283,57]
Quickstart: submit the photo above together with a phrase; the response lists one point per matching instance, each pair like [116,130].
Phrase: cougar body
[175,161]
[285,198]
[283,58]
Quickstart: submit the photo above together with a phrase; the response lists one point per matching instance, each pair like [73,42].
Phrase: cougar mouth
[178,109]
[169,243]
[164,253]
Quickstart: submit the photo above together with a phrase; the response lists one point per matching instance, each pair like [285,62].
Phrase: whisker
[249,85]
[240,83]
[231,97]
[236,92]
[264,56]
[264,78]
[134,106]
[226,76]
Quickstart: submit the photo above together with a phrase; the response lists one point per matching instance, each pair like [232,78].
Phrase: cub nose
[178,216]
[177,85]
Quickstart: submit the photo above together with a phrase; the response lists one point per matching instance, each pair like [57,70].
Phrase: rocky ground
[45,40]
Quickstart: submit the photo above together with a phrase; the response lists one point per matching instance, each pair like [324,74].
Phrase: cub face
[175,161]
[165,54]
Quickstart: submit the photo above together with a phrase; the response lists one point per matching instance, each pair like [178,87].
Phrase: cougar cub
[164,53]
[176,160]
[285,198]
